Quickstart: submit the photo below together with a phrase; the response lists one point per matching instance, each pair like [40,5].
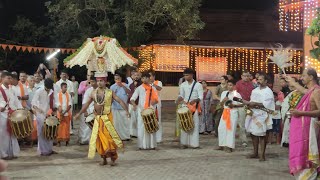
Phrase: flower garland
[294,99]
[96,99]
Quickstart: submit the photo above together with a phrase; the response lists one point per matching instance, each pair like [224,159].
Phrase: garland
[294,99]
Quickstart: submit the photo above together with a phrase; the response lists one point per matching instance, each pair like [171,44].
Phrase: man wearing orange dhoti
[104,138]
[64,102]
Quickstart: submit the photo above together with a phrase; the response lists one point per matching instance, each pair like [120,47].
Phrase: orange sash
[22,93]
[61,102]
[154,96]
[26,83]
[226,116]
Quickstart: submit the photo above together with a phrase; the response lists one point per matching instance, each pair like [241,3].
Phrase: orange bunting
[30,49]
[18,48]
[40,50]
[23,48]
[36,49]
[10,47]
[4,46]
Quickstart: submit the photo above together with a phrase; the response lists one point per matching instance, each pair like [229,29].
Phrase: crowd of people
[112,115]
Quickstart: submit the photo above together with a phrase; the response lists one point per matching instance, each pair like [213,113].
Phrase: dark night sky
[35,9]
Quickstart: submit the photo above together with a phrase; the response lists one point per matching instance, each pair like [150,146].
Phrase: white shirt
[14,102]
[231,95]
[129,79]
[86,98]
[141,93]
[264,96]
[69,85]
[64,104]
[185,89]
[17,92]
[39,85]
[31,94]
[41,100]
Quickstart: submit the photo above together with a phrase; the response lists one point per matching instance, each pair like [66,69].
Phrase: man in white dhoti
[84,130]
[9,147]
[120,118]
[133,113]
[158,86]
[191,93]
[228,123]
[260,121]
[148,98]
[43,105]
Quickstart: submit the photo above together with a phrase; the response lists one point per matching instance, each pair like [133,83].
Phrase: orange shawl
[61,102]
[154,96]
[226,116]
[22,93]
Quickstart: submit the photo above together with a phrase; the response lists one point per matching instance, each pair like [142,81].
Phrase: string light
[294,15]
[314,63]
[168,58]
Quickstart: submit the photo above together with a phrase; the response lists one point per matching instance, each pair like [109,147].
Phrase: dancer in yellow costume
[104,138]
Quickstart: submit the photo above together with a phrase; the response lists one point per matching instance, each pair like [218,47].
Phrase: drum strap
[191,90]
[51,101]
[4,95]
[150,97]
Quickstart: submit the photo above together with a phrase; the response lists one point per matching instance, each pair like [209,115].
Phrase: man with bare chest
[304,128]
[104,138]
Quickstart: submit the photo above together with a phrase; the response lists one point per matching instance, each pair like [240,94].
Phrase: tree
[23,32]
[132,22]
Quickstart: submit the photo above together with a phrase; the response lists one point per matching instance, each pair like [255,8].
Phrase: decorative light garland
[294,15]
[176,58]
[314,63]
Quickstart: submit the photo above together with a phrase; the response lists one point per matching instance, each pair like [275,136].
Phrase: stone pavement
[167,162]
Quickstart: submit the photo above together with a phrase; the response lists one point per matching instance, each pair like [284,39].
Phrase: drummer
[191,93]
[43,105]
[9,147]
[148,97]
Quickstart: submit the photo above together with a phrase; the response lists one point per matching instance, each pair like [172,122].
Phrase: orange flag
[29,49]
[23,48]
[4,46]
[18,48]
[10,47]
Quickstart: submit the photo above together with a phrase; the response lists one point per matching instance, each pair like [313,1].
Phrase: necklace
[101,102]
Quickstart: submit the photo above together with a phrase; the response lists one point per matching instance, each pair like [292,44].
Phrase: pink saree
[299,148]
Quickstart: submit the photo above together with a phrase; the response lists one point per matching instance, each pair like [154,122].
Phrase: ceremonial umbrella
[100,54]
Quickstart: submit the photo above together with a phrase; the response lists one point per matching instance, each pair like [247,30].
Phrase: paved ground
[167,162]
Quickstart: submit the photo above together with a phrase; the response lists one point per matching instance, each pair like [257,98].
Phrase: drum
[50,128]
[150,120]
[21,123]
[90,120]
[185,118]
